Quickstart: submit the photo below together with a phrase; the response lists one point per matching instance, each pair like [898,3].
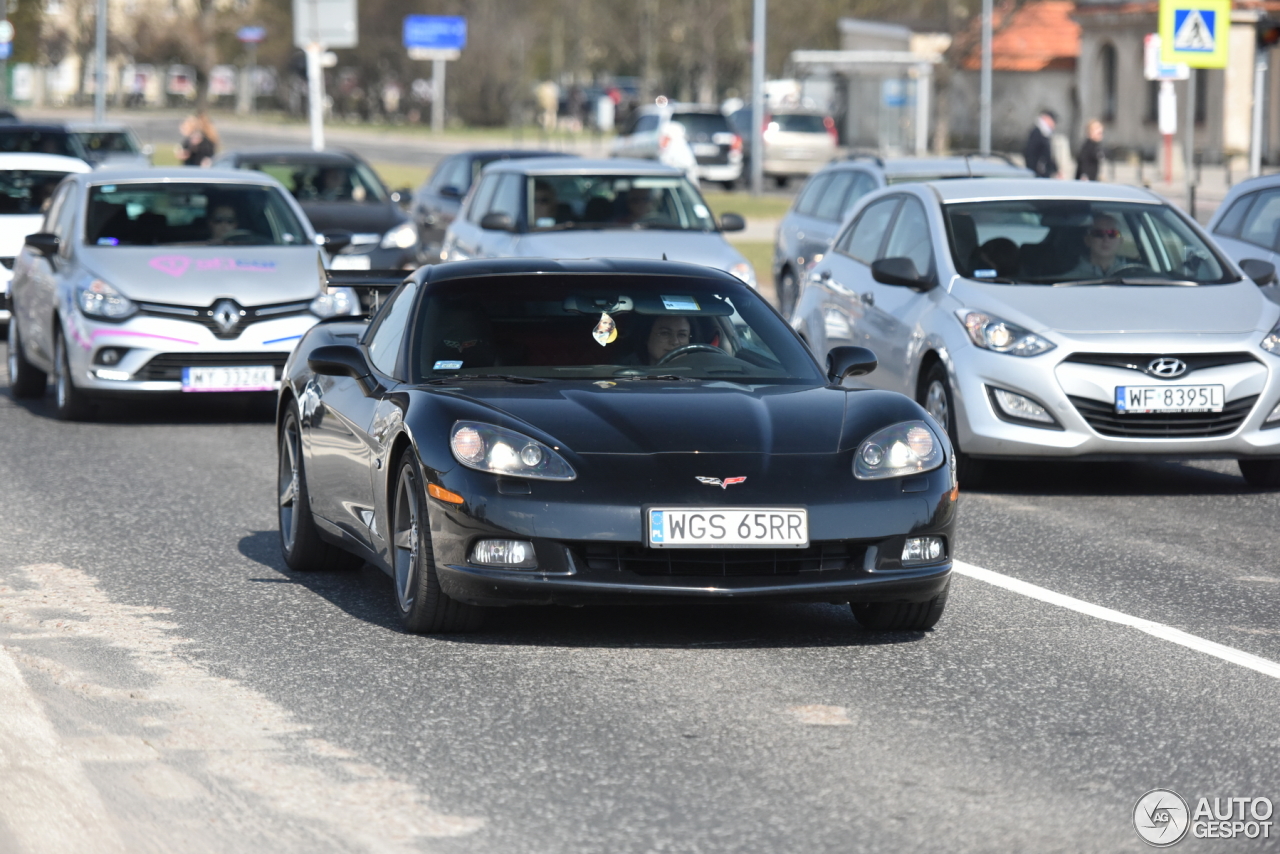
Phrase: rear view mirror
[45,243]
[849,362]
[899,271]
[1262,272]
[497,222]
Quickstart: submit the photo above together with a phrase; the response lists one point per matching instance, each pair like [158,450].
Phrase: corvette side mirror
[1262,272]
[849,362]
[343,360]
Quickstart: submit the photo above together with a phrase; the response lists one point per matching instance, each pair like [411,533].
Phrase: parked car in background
[161,281]
[27,182]
[1056,320]
[98,145]
[715,144]
[436,202]
[1247,223]
[797,142]
[339,190]
[578,208]
[822,205]
[538,432]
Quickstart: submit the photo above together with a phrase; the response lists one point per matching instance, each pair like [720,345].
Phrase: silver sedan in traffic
[1063,320]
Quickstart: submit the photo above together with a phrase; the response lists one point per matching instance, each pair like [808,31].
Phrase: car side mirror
[335,240]
[1262,272]
[402,197]
[732,222]
[44,242]
[451,192]
[849,362]
[497,222]
[899,271]
[343,360]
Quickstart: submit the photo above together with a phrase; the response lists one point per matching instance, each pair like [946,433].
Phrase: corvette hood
[1231,308]
[643,417]
[197,275]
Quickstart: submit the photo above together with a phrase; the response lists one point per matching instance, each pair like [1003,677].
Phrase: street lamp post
[100,73]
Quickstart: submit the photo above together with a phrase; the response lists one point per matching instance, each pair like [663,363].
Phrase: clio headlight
[337,301]
[900,449]
[497,450]
[98,299]
[402,236]
[992,333]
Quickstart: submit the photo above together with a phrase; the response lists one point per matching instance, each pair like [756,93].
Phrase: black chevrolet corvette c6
[535,432]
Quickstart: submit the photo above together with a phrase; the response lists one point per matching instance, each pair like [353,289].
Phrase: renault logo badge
[1167,367]
[226,314]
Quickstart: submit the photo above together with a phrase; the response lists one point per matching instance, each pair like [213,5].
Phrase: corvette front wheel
[424,607]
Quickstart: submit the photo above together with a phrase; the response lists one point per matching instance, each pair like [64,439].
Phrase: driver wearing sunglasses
[1102,241]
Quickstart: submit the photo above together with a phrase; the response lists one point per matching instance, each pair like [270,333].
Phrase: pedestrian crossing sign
[1195,32]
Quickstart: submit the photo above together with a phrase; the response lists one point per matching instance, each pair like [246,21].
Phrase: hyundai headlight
[98,299]
[745,272]
[497,450]
[992,333]
[403,236]
[1272,342]
[338,301]
[898,450]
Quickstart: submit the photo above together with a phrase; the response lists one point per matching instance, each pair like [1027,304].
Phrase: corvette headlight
[991,333]
[745,272]
[497,450]
[402,236]
[1272,342]
[98,299]
[338,301]
[897,450]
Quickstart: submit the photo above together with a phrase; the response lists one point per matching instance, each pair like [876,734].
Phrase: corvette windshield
[1068,241]
[192,214]
[613,329]
[560,202]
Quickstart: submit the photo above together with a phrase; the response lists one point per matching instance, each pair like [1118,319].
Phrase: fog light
[1274,416]
[110,355]
[514,553]
[1022,408]
[111,375]
[922,550]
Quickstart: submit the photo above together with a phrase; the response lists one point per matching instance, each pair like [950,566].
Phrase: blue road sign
[251,35]
[435,32]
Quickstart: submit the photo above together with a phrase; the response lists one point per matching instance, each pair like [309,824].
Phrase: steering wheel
[1131,268]
[688,348]
[240,236]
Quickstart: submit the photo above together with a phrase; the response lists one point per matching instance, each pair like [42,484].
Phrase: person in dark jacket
[1089,160]
[1039,151]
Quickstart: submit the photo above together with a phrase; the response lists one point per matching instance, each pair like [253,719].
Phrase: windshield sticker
[108,241]
[985,274]
[446,366]
[679,303]
[177,265]
[606,331]
[544,222]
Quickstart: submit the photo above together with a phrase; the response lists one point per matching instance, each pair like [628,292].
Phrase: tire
[935,396]
[900,616]
[728,185]
[26,381]
[788,292]
[424,607]
[300,542]
[70,403]
[781,181]
[1261,474]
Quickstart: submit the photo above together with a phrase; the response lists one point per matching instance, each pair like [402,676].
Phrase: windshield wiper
[664,377]
[465,377]
[1127,280]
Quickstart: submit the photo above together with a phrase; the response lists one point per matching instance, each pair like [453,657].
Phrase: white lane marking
[1190,641]
[49,803]
[821,715]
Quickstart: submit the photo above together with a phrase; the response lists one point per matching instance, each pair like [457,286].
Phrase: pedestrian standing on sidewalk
[1038,153]
[1089,160]
[199,140]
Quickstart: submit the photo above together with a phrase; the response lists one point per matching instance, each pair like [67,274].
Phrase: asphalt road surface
[166,684]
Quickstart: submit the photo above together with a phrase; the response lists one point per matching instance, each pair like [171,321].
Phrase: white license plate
[1135,399]
[252,378]
[350,262]
[728,527]
[705,149]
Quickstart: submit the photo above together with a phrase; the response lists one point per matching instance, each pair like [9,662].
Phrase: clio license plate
[239,378]
[728,527]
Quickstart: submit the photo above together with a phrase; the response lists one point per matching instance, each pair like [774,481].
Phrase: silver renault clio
[1055,319]
[178,280]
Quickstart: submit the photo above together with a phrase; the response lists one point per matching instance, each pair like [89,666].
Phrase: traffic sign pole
[437,94]
[315,94]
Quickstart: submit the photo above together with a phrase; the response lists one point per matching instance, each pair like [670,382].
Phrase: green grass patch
[399,175]
[760,254]
[769,207]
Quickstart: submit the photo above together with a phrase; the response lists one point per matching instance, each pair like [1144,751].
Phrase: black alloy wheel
[26,381]
[424,607]
[788,292]
[1261,474]
[300,542]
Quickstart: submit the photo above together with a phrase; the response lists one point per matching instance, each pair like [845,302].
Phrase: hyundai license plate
[247,378]
[1137,399]
[728,527]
